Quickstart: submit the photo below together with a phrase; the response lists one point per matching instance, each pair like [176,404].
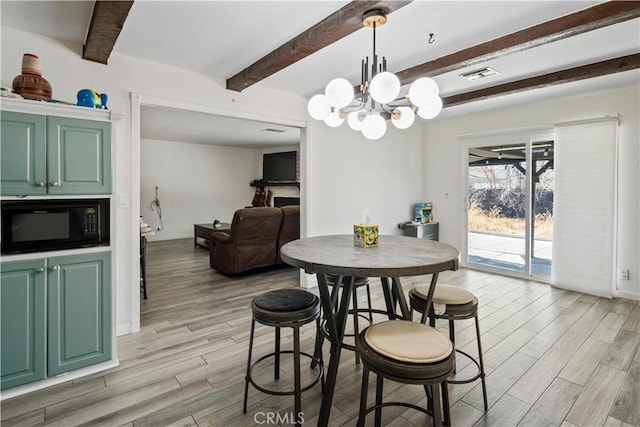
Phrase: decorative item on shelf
[93,99]
[30,84]
[216,223]
[423,212]
[377,99]
[365,234]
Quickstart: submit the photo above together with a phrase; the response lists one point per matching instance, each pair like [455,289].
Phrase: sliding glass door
[510,207]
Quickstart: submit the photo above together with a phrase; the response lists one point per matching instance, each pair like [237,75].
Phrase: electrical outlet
[623,274]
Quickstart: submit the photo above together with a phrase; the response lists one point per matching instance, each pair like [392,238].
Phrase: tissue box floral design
[366,235]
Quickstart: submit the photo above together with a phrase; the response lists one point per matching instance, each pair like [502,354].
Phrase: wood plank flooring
[553,358]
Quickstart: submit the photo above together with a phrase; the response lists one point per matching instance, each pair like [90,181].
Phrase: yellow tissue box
[366,235]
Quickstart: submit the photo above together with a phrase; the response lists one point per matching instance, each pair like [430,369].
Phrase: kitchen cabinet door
[23,317]
[79,311]
[23,169]
[78,156]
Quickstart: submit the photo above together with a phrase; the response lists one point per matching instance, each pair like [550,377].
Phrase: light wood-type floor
[553,358]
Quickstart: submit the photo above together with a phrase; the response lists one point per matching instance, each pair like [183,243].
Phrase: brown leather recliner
[290,228]
[251,243]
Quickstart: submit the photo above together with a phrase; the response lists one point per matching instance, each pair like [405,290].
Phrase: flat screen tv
[279,166]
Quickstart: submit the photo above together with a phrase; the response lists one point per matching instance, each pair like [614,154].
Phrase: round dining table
[395,257]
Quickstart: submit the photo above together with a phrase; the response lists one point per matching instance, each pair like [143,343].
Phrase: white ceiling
[221,38]
[168,124]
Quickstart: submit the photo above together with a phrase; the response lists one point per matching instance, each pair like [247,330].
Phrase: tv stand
[263,183]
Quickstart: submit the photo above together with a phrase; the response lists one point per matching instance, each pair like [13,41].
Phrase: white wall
[197,184]
[443,157]
[350,173]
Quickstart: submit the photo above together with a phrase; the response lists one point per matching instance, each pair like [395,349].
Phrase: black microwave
[45,225]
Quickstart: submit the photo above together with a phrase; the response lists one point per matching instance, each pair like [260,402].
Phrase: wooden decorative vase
[30,84]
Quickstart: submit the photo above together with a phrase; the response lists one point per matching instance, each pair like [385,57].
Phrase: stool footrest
[468,380]
[403,404]
[318,377]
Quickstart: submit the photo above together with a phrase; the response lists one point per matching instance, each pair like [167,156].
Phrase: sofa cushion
[290,228]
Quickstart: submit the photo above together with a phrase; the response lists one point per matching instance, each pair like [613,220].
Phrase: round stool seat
[285,305]
[408,352]
[445,294]
[409,342]
[285,300]
[447,300]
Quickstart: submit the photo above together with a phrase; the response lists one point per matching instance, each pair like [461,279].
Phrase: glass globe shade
[334,120]
[339,93]
[354,119]
[431,110]
[318,107]
[406,119]
[373,126]
[384,87]
[423,91]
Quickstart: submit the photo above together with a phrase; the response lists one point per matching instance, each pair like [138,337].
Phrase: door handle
[39,270]
[39,183]
[54,184]
[53,268]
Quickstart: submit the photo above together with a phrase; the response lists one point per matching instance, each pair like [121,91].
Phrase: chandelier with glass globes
[377,99]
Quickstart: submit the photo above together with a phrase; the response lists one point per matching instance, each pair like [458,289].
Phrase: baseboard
[161,236]
[627,295]
[48,382]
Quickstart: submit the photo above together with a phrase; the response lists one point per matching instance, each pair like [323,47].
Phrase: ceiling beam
[106,23]
[340,24]
[611,66]
[601,15]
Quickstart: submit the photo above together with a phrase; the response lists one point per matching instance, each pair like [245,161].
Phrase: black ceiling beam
[601,15]
[611,66]
[336,26]
[106,23]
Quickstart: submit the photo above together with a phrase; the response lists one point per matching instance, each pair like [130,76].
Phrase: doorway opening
[509,223]
[147,102]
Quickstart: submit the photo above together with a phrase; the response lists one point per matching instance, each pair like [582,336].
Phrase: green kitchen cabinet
[54,155]
[56,316]
[23,154]
[79,311]
[23,328]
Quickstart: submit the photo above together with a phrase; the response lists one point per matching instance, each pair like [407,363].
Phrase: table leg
[195,237]
[427,305]
[386,290]
[336,322]
[399,294]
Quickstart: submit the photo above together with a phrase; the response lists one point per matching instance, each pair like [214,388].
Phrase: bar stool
[453,303]
[285,308]
[409,353]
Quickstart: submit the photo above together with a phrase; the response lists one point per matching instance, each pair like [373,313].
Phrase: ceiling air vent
[480,74]
[272,130]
